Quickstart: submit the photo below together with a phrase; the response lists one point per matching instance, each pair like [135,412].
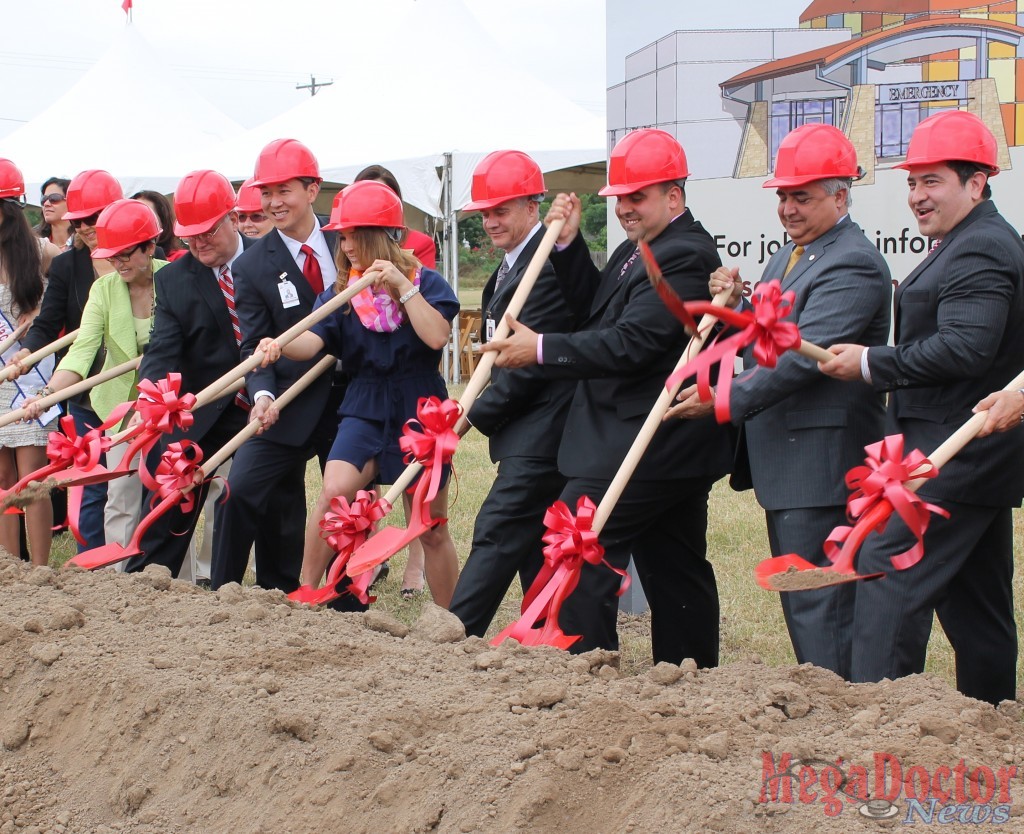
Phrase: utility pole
[313,86]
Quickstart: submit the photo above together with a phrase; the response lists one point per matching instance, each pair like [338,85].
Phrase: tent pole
[450,256]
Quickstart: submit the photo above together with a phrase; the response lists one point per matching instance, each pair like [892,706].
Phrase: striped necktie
[502,274]
[227,288]
[793,258]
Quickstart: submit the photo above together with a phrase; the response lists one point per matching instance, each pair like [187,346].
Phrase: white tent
[127,115]
[427,82]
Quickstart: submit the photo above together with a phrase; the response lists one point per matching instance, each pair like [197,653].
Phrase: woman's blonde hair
[372,243]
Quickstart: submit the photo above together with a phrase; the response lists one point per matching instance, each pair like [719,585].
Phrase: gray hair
[834,184]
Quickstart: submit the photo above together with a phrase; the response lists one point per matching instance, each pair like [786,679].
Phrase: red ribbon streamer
[163,409]
[345,526]
[571,541]
[879,489]
[435,444]
[761,326]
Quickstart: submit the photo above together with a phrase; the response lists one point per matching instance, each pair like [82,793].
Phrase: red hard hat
[953,135]
[12,182]
[283,160]
[366,203]
[201,201]
[91,192]
[504,175]
[642,158]
[122,225]
[249,199]
[814,152]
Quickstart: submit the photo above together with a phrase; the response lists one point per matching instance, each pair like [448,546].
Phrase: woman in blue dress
[389,340]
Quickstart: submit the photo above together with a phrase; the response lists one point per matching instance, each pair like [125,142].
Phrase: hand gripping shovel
[388,541]
[792,573]
[544,598]
[113,552]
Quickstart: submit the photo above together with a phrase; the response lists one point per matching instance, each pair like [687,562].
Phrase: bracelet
[408,295]
[45,391]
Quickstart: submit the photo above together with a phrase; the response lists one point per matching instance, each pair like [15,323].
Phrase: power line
[312,86]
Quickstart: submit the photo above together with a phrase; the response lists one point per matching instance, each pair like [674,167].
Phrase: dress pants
[663,524]
[94,496]
[820,621]
[966,577]
[506,538]
[267,481]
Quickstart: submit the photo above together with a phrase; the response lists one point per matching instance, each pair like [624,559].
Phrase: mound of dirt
[143,704]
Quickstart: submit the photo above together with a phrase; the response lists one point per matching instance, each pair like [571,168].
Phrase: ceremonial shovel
[384,544]
[550,633]
[19,331]
[113,552]
[769,572]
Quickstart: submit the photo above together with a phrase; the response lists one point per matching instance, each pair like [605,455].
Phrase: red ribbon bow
[880,487]
[65,448]
[162,407]
[571,542]
[176,471]
[345,526]
[434,446]
[761,326]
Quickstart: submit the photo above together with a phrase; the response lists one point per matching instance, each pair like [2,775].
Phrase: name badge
[289,295]
[490,329]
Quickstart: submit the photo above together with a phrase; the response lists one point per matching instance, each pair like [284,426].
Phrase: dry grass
[752,620]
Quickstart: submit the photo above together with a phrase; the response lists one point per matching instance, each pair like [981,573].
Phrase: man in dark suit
[278,279]
[194,335]
[626,346]
[803,431]
[522,413]
[959,334]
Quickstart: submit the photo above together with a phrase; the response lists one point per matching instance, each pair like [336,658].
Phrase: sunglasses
[255,218]
[52,198]
[78,222]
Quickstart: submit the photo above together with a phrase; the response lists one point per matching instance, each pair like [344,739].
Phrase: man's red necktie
[311,269]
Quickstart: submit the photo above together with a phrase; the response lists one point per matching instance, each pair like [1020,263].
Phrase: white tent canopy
[111,119]
[433,83]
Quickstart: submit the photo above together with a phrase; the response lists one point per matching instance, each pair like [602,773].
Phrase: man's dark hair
[965,170]
[665,186]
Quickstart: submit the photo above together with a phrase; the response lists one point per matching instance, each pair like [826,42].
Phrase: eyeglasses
[205,237]
[125,256]
[52,198]
[78,222]
[255,218]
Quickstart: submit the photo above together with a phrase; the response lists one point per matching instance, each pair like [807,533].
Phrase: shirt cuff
[865,371]
[263,394]
[540,348]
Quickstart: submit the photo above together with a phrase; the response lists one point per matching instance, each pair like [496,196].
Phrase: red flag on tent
[126,6]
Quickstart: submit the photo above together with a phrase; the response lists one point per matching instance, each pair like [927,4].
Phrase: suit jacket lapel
[508,286]
[813,252]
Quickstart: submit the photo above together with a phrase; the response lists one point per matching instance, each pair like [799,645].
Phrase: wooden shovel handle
[73,390]
[653,421]
[216,389]
[42,353]
[19,331]
[300,385]
[963,435]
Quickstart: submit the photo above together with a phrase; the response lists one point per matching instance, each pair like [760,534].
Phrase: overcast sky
[247,57]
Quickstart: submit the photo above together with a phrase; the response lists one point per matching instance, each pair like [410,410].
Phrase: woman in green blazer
[117,318]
